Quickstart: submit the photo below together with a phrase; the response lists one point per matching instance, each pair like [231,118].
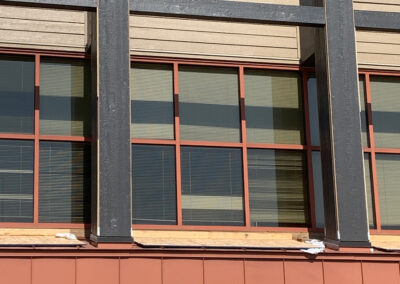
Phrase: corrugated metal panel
[38,28]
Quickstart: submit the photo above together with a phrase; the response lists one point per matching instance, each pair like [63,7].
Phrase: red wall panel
[378,273]
[53,270]
[141,271]
[15,271]
[223,271]
[264,272]
[97,271]
[182,271]
[342,272]
[303,272]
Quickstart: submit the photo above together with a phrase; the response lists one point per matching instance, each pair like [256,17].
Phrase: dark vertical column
[340,128]
[111,200]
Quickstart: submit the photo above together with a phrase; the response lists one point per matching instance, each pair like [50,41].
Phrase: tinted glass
[277,188]
[313,110]
[64,182]
[318,189]
[65,97]
[385,96]
[274,109]
[368,189]
[209,103]
[363,114]
[152,114]
[153,185]
[388,169]
[17,94]
[16,181]
[212,186]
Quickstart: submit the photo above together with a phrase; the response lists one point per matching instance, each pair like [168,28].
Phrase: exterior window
[218,146]
[44,123]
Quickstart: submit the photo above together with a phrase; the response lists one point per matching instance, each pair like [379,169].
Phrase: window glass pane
[274,109]
[16,181]
[385,96]
[212,186]
[277,188]
[368,189]
[17,94]
[65,97]
[313,110]
[152,114]
[318,189]
[153,184]
[388,169]
[363,114]
[64,182]
[209,103]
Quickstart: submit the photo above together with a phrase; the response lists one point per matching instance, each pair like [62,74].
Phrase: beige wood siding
[378,50]
[39,28]
[161,36]
[377,5]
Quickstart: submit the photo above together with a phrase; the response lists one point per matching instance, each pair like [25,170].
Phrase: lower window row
[212,186]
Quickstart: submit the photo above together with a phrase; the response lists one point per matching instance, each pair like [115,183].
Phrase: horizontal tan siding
[39,28]
[378,50]
[377,5]
[190,38]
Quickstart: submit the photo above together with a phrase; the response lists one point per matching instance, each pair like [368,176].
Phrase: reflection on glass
[368,189]
[277,188]
[153,185]
[274,109]
[16,181]
[64,182]
[318,189]
[388,169]
[17,94]
[212,186]
[385,96]
[65,97]
[363,114]
[313,110]
[152,114]
[209,103]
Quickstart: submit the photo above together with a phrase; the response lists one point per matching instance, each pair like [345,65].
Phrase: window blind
[65,97]
[212,186]
[152,113]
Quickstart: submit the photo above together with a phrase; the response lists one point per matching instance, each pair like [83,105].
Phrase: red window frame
[372,150]
[244,145]
[36,137]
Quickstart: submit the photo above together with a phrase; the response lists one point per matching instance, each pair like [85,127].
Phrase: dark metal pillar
[340,128]
[111,200]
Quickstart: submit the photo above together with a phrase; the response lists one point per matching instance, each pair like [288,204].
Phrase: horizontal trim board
[230,10]
[377,20]
[71,4]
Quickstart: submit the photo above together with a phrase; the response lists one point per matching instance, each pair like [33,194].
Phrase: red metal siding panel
[53,270]
[141,270]
[262,272]
[182,271]
[342,272]
[15,271]
[97,271]
[223,272]
[376,273]
[303,272]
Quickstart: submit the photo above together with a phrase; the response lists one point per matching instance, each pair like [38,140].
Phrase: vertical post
[345,208]
[111,190]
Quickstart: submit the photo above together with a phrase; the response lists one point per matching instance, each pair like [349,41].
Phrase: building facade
[199,141]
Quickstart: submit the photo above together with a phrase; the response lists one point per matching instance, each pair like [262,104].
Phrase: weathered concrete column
[111,190]
[345,208]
